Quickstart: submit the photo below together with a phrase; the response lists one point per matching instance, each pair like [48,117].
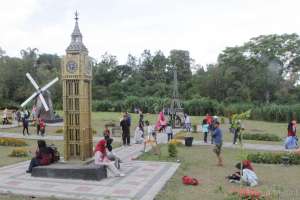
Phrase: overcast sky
[120,27]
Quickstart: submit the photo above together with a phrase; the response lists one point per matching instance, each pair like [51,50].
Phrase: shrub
[180,135]
[19,152]
[175,142]
[60,130]
[261,136]
[172,150]
[12,142]
[274,158]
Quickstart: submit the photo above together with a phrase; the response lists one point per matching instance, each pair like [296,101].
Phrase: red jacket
[291,130]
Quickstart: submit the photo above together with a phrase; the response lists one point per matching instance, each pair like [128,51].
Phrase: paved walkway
[143,180]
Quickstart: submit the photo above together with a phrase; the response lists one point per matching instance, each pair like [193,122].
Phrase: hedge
[199,106]
[12,142]
[261,136]
[19,152]
[274,158]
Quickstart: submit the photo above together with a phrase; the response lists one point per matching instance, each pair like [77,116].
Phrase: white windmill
[39,92]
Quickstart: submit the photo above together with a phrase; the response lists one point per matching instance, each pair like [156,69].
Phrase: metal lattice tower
[175,103]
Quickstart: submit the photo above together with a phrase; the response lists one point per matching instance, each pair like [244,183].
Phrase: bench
[71,171]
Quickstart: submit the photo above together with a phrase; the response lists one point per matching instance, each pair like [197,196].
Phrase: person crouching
[101,158]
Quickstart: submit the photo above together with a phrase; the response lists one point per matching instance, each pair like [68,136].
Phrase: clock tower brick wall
[77,97]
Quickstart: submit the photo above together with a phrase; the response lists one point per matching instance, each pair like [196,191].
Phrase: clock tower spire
[77,78]
[76,44]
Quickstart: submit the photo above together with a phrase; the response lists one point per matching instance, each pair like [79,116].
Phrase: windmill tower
[176,111]
[76,78]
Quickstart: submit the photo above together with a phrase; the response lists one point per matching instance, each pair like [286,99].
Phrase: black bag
[55,153]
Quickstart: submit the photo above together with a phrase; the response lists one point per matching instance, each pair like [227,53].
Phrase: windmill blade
[29,99]
[32,81]
[49,84]
[43,102]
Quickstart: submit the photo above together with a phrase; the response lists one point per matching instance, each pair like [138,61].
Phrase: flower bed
[274,158]
[261,136]
[12,142]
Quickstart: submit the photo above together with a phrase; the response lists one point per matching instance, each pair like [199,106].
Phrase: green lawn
[200,162]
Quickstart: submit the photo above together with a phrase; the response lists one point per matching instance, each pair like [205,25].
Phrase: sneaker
[28,171]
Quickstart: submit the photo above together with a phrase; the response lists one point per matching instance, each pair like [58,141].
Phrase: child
[205,126]
[42,127]
[169,132]
[108,139]
[139,135]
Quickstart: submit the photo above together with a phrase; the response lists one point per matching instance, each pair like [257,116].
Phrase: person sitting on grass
[101,158]
[43,156]
[169,132]
[218,140]
[248,175]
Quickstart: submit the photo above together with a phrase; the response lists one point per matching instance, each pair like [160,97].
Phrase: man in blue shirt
[218,140]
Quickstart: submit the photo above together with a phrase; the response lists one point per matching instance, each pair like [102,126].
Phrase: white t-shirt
[187,120]
[169,130]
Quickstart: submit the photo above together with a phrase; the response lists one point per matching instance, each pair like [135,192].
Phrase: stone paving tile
[141,177]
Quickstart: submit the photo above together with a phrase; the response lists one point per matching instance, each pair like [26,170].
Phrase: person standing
[42,127]
[218,140]
[25,125]
[128,122]
[169,132]
[187,122]
[291,140]
[205,129]
[237,132]
[125,130]
[5,118]
[38,127]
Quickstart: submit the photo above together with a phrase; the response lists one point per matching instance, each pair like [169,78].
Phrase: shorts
[218,149]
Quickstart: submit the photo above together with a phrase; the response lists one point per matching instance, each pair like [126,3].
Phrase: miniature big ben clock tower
[76,78]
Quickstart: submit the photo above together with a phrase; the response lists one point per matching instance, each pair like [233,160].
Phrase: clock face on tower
[72,66]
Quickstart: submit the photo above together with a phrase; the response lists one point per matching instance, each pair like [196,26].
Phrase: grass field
[200,163]
[99,119]
[195,161]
